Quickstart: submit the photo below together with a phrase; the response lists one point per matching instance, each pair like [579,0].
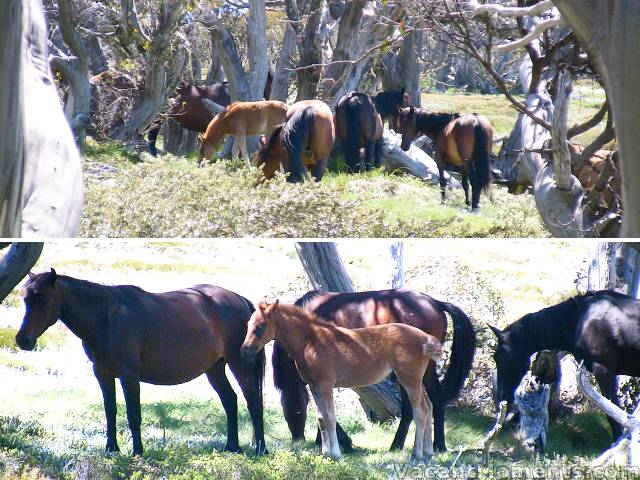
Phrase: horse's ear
[412,111]
[31,275]
[262,306]
[498,333]
[263,140]
[272,307]
[51,278]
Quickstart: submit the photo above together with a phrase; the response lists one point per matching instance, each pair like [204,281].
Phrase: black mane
[387,103]
[433,122]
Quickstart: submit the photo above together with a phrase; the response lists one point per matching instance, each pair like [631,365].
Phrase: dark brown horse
[328,356]
[159,338]
[601,328]
[302,143]
[363,309]
[389,103]
[463,142]
[358,125]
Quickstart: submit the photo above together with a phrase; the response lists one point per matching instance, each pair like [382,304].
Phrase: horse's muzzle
[25,342]
[248,353]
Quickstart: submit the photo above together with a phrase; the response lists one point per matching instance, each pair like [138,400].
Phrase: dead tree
[40,175]
[16,263]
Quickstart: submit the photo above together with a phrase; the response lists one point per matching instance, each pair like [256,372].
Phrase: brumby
[328,356]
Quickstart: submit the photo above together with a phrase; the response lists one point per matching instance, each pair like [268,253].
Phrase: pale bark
[282,75]
[310,52]
[257,49]
[607,30]
[11,117]
[16,263]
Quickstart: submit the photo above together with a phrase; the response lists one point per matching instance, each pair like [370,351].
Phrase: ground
[129,195]
[51,419]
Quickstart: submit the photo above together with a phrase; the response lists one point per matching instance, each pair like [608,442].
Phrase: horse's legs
[475,191]
[443,181]
[608,384]
[465,186]
[250,384]
[405,421]
[420,415]
[344,440]
[152,137]
[435,393]
[323,396]
[427,445]
[368,153]
[242,141]
[218,380]
[108,388]
[131,389]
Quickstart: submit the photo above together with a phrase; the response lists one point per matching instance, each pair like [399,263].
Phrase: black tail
[462,352]
[480,171]
[294,135]
[351,144]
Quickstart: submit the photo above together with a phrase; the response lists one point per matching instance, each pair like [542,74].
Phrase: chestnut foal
[328,356]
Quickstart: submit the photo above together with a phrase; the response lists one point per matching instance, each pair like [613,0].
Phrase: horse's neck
[292,332]
[545,332]
[83,307]
[431,124]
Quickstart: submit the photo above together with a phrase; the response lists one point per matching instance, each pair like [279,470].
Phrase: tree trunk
[11,117]
[15,264]
[160,67]
[310,53]
[615,266]
[257,49]
[215,73]
[607,29]
[39,155]
[282,76]
[75,70]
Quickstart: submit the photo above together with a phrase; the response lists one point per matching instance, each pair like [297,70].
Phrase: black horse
[358,125]
[159,338]
[364,309]
[388,105]
[600,328]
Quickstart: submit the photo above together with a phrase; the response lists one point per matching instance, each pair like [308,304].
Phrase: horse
[364,309]
[302,143]
[158,338]
[358,125]
[241,119]
[461,141]
[388,103]
[189,110]
[328,356]
[600,328]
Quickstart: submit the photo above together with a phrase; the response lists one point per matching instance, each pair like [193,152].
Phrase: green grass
[168,197]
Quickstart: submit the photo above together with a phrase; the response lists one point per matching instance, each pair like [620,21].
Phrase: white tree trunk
[15,264]
[607,29]
[257,49]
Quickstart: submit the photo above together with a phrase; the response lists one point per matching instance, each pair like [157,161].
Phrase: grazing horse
[357,126]
[303,143]
[241,119]
[159,338]
[389,103]
[601,328]
[328,357]
[364,309]
[463,142]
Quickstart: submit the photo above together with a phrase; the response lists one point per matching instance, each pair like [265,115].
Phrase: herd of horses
[298,139]
[325,340]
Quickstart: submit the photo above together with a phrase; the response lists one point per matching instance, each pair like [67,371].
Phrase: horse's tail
[481,169]
[462,351]
[293,391]
[354,133]
[294,135]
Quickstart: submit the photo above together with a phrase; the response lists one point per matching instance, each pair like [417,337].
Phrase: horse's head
[511,364]
[260,329]
[407,126]
[42,301]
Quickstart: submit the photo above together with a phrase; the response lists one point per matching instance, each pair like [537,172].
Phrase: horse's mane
[304,300]
[266,150]
[387,102]
[433,121]
[548,328]
[215,124]
[307,315]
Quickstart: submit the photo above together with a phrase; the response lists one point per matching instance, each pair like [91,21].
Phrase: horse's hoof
[112,448]
[438,448]
[475,210]
[262,450]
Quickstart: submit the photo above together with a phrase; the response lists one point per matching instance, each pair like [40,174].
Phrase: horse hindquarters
[479,168]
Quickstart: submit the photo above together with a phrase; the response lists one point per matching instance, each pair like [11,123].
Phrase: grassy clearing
[169,197]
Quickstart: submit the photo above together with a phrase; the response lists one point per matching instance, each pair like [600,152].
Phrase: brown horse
[358,125]
[328,357]
[241,119]
[388,104]
[463,142]
[303,143]
[364,309]
[159,338]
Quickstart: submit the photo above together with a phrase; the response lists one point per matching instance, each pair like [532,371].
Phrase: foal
[328,356]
